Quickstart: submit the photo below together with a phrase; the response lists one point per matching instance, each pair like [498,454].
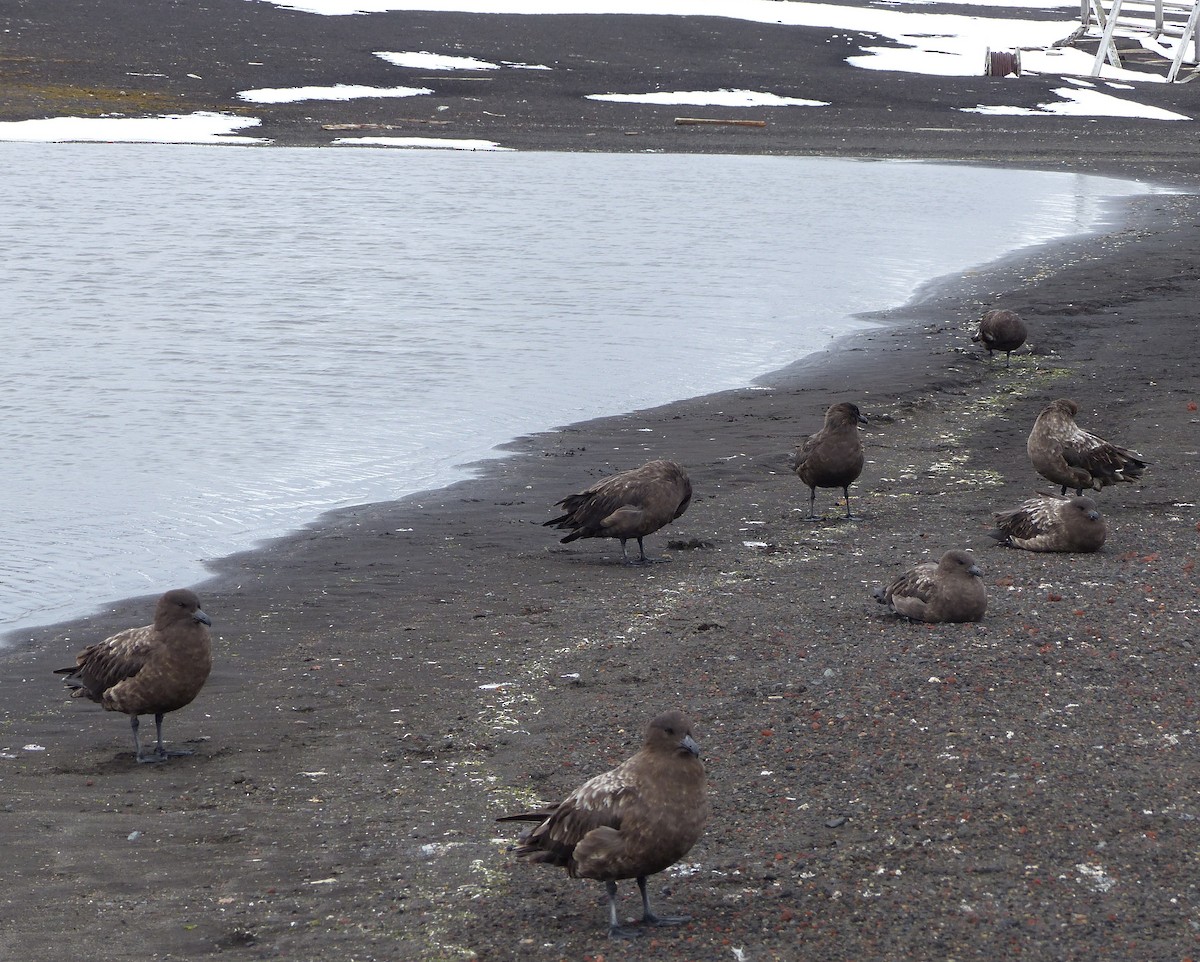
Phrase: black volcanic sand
[1024,787]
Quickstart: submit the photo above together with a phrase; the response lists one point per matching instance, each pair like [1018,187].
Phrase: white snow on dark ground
[281,95]
[714,98]
[424,60]
[197,128]
[432,143]
[1085,103]
[932,43]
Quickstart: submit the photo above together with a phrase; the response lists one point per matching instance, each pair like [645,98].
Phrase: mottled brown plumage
[1001,331]
[631,504]
[833,457]
[1050,522]
[631,822]
[155,669]
[1064,453]
[947,590]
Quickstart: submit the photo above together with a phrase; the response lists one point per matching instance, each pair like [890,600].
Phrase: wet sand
[1024,786]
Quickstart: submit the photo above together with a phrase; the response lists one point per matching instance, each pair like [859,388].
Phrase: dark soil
[1024,787]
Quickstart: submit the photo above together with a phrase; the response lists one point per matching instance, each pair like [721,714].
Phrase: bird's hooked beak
[975,571]
[863,420]
[201,617]
[689,744]
[1093,515]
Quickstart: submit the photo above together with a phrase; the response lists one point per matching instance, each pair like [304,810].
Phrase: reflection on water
[207,347]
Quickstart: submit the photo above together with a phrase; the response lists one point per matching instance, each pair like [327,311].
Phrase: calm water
[207,347]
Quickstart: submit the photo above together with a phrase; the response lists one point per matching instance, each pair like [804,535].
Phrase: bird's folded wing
[122,656]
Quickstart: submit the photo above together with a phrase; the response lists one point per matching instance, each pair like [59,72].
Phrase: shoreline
[346,621]
[1122,209]
[880,790]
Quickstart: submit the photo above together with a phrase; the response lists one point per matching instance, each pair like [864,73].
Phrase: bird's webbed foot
[649,920]
[652,919]
[161,754]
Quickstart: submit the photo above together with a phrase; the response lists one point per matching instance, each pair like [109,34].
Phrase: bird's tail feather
[538,816]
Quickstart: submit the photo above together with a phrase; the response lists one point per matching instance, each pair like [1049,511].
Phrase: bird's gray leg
[642,559]
[162,751]
[624,556]
[158,756]
[615,929]
[846,492]
[649,918]
[1008,358]
[812,505]
[137,745]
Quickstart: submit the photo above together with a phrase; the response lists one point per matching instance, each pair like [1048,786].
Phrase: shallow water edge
[350,336]
[922,348]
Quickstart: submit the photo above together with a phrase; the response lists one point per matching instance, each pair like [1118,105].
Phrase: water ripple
[210,347]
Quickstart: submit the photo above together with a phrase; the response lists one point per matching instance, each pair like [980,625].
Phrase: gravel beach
[395,676]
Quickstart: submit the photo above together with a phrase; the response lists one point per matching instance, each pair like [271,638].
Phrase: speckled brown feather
[1052,523]
[631,504]
[950,589]
[633,821]
[154,669]
[1064,453]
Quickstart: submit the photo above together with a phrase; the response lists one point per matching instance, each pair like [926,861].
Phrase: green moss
[61,99]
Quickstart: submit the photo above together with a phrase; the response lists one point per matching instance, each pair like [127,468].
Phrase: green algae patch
[31,101]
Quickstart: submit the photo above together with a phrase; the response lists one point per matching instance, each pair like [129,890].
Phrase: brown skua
[950,589]
[1051,522]
[630,822]
[154,669]
[1001,331]
[1062,452]
[632,504]
[833,457]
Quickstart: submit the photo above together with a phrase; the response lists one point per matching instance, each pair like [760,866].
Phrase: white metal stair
[1173,20]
